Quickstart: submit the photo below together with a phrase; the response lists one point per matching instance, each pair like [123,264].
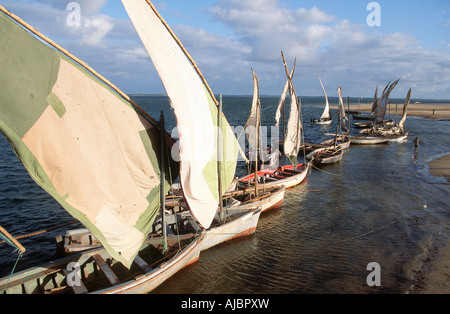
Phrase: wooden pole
[258,122]
[12,239]
[219,157]
[162,187]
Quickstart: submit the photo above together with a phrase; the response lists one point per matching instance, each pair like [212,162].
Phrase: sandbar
[430,111]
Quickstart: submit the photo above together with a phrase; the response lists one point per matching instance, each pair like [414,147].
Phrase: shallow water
[379,204]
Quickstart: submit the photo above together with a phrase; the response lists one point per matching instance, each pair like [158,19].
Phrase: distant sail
[326,112]
[381,109]
[80,141]
[375,101]
[253,123]
[342,115]
[196,111]
[283,97]
[405,112]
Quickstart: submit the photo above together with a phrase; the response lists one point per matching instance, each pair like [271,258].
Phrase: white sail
[326,111]
[283,97]
[195,110]
[342,115]
[253,123]
[294,129]
[405,106]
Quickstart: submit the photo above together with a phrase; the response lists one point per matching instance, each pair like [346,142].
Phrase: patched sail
[195,109]
[80,140]
[326,111]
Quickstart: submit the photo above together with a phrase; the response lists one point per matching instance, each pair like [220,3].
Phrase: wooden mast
[219,157]
[162,186]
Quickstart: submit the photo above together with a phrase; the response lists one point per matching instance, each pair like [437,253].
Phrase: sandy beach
[429,111]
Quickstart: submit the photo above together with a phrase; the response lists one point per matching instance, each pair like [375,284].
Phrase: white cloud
[354,56]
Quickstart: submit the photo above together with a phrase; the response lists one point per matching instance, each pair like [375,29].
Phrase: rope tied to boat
[334,174]
[16,249]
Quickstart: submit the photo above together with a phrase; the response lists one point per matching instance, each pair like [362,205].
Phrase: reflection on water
[379,204]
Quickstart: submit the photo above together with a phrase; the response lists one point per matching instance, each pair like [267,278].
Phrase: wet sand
[434,275]
[429,111]
[441,167]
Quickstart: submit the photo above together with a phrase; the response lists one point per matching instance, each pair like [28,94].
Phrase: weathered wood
[78,288]
[142,264]
[106,270]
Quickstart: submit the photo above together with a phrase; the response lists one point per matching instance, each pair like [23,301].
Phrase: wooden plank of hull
[343,143]
[52,277]
[329,160]
[241,226]
[148,282]
[292,178]
[265,203]
[367,140]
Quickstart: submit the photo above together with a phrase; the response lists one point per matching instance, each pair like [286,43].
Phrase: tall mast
[162,189]
[219,157]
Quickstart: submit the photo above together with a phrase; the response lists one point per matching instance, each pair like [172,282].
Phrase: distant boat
[365,117]
[326,117]
[325,156]
[368,140]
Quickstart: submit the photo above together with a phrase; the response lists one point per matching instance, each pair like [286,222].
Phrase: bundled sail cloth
[80,141]
[196,112]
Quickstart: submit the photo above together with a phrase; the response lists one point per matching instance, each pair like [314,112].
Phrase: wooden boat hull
[238,227]
[343,142]
[326,156]
[363,117]
[397,138]
[276,176]
[266,202]
[329,160]
[368,140]
[321,121]
[152,280]
[140,279]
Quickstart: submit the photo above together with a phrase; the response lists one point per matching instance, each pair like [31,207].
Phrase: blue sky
[229,37]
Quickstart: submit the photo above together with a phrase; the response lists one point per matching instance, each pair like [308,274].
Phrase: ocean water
[379,204]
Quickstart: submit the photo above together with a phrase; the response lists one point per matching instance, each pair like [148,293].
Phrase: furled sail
[344,120]
[375,101]
[381,109]
[326,111]
[253,122]
[196,111]
[293,138]
[283,97]
[405,112]
[81,141]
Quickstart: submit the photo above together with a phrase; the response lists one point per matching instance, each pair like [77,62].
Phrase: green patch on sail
[24,90]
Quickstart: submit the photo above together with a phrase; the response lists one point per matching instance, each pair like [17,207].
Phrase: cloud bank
[354,56]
